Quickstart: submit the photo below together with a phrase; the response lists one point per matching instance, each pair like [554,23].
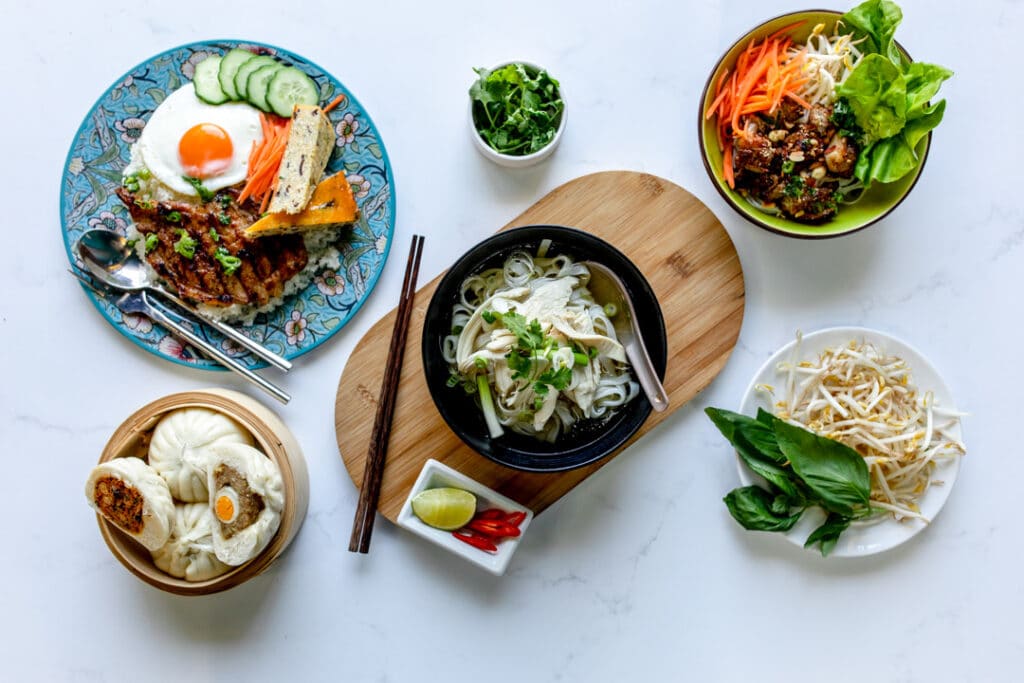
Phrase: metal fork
[137,303]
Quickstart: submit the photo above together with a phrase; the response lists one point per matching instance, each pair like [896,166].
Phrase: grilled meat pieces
[206,230]
[794,161]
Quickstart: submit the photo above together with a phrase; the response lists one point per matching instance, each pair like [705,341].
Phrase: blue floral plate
[100,151]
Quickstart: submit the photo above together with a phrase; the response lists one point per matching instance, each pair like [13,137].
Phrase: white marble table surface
[640,573]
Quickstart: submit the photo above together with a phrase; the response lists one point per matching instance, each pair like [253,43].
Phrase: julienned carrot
[765,73]
[334,103]
[265,159]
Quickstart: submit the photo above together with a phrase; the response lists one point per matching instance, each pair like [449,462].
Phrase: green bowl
[876,202]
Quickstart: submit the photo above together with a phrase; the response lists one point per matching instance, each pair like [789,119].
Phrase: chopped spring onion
[490,417]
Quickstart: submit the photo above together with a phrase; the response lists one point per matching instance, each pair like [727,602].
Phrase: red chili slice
[515,518]
[494,528]
[476,541]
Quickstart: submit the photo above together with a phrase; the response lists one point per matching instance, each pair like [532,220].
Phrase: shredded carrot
[764,74]
[265,159]
[334,103]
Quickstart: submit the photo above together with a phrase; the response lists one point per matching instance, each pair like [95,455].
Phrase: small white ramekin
[525,160]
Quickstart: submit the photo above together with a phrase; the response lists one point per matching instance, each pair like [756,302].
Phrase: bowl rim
[229,404]
[660,361]
[731,201]
[521,159]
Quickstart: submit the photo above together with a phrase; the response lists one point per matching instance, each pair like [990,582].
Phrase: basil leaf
[757,447]
[758,435]
[780,477]
[828,533]
[751,506]
[836,473]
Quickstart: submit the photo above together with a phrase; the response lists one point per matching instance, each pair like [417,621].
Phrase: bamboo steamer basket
[271,435]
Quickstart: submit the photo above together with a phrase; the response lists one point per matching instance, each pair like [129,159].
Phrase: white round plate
[866,538]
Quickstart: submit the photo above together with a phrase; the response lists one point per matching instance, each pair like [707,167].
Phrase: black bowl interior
[587,442]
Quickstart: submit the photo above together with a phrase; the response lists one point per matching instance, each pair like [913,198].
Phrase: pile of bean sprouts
[828,60]
[866,399]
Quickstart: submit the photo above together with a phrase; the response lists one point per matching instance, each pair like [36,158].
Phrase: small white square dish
[437,475]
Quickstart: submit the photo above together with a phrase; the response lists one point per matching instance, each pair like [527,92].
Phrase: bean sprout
[866,399]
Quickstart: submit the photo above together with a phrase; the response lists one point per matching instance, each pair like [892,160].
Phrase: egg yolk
[225,508]
[205,150]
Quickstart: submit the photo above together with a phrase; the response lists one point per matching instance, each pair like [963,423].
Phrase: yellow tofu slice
[330,204]
[310,143]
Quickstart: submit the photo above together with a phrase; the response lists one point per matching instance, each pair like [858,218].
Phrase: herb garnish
[801,469]
[186,246]
[151,242]
[214,235]
[224,218]
[204,194]
[227,261]
[516,110]
[174,216]
[559,379]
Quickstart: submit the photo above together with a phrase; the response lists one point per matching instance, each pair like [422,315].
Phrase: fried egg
[186,137]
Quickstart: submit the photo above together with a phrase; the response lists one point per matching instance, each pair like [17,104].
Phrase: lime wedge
[444,508]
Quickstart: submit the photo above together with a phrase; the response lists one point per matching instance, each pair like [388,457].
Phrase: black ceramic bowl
[588,441]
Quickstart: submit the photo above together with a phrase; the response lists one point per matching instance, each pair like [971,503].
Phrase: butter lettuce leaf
[923,82]
[890,98]
[876,92]
[889,160]
[876,20]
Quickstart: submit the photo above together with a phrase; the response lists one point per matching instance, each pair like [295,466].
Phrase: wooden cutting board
[682,250]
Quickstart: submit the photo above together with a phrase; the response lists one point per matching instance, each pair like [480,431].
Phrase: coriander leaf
[520,365]
[751,506]
[529,335]
[828,533]
[836,473]
[559,379]
[515,109]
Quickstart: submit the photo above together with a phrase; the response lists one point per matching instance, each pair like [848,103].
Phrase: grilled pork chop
[266,264]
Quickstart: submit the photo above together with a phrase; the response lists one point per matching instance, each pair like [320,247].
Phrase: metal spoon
[110,259]
[137,303]
[606,286]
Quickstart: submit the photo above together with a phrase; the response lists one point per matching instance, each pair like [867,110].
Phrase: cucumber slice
[290,87]
[258,83]
[205,81]
[229,66]
[244,71]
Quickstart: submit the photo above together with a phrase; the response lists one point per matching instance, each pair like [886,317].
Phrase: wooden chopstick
[373,470]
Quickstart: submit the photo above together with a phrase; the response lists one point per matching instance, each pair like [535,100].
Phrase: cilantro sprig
[516,109]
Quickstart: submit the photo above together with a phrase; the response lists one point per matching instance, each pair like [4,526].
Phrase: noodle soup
[523,363]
